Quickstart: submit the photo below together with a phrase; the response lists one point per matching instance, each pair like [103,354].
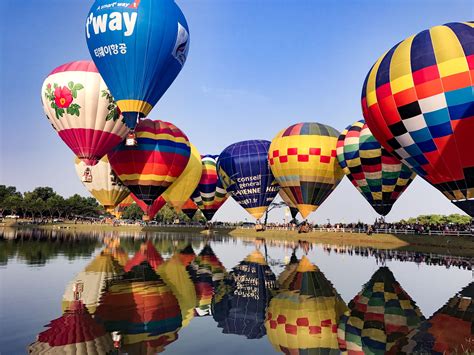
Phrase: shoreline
[447,245]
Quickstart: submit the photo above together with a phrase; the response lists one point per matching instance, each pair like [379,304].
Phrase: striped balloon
[189,208]
[303,160]
[210,194]
[378,176]
[82,111]
[150,211]
[149,168]
[418,101]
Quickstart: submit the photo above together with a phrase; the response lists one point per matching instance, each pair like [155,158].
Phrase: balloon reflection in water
[75,332]
[304,318]
[92,281]
[448,331]
[175,275]
[142,309]
[379,315]
[239,303]
[207,271]
[287,275]
[147,253]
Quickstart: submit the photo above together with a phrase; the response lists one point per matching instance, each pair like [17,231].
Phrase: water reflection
[304,317]
[379,315]
[75,332]
[243,297]
[448,331]
[136,294]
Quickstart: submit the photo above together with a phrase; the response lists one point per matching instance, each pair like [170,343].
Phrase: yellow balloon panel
[183,187]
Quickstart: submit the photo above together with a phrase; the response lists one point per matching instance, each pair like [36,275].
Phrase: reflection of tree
[39,247]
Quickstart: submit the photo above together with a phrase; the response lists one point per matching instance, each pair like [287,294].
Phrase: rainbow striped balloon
[378,176]
[161,155]
[210,194]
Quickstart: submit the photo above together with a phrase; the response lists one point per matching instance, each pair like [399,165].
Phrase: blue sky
[254,68]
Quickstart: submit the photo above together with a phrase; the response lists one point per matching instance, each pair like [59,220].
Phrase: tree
[13,203]
[132,212]
[272,206]
[5,193]
[55,204]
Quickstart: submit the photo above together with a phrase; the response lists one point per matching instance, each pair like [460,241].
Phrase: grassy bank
[451,245]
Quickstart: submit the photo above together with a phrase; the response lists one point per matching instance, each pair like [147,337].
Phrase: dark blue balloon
[245,173]
[139,48]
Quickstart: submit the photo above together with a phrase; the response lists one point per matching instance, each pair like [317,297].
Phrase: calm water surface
[152,292]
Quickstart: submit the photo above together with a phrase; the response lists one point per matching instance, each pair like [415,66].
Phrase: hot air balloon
[189,208]
[151,167]
[92,282]
[105,186]
[139,50]
[303,160]
[210,195]
[82,111]
[448,331]
[75,332]
[379,315]
[242,310]
[291,205]
[184,186]
[378,176]
[303,319]
[245,174]
[418,101]
[150,211]
[142,309]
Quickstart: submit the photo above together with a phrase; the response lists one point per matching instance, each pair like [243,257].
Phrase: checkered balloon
[418,101]
[303,160]
[378,176]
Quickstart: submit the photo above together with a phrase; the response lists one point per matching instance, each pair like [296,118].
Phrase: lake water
[141,293]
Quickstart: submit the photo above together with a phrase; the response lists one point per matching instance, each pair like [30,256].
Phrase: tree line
[44,202]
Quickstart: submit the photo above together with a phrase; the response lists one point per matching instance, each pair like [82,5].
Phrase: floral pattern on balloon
[62,97]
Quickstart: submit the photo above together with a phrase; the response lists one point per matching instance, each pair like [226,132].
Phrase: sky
[253,68]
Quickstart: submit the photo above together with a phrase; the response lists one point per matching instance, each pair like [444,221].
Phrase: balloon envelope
[82,111]
[210,194]
[139,49]
[149,168]
[105,185]
[181,190]
[245,174]
[303,160]
[418,101]
[378,176]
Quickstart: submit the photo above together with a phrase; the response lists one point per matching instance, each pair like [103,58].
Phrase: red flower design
[62,97]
